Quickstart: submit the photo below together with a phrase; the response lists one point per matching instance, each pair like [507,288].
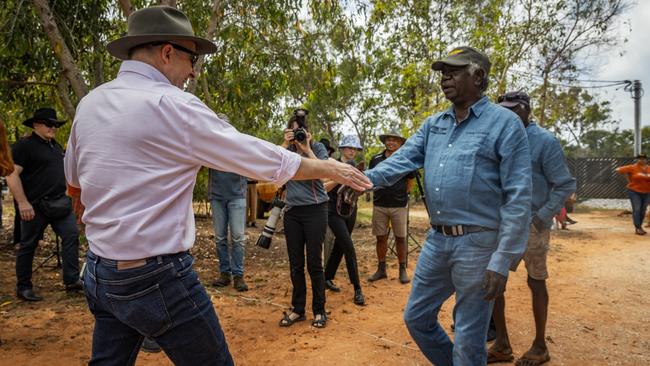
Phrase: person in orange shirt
[638,188]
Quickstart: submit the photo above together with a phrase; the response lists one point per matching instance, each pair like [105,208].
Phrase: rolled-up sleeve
[216,144]
[516,180]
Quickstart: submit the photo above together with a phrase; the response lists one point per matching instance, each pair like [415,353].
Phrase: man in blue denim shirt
[227,194]
[552,185]
[478,188]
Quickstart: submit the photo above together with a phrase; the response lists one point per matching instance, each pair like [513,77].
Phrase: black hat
[512,99]
[43,114]
[156,24]
[328,146]
[463,56]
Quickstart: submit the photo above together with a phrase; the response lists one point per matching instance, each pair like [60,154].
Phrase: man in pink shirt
[135,148]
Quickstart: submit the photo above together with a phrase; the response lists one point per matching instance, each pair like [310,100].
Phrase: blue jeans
[447,265]
[230,214]
[163,300]
[639,206]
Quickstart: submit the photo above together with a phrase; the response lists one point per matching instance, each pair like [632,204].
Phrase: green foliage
[359,66]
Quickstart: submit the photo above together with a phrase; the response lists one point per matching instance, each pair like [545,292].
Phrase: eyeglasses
[194,57]
[48,124]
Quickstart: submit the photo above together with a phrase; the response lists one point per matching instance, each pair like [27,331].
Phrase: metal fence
[597,177]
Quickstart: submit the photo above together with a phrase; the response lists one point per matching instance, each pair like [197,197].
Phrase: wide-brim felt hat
[45,115]
[156,24]
[392,133]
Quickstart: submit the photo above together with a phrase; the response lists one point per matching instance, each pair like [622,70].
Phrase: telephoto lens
[264,241]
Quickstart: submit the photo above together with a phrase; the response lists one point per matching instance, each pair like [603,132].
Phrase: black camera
[264,241]
[299,134]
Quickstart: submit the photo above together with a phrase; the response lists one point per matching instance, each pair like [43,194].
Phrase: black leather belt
[458,230]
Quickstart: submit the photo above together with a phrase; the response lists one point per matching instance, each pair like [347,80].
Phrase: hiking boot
[403,277]
[358,297]
[380,274]
[331,286]
[223,280]
[239,284]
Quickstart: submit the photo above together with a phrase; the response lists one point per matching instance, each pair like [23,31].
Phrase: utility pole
[637,91]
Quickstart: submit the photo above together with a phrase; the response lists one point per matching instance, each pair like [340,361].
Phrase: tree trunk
[64,97]
[542,108]
[70,69]
[206,91]
[126,7]
[212,28]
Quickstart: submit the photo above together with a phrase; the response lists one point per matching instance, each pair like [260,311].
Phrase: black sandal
[286,320]
[320,322]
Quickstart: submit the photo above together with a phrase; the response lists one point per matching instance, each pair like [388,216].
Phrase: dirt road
[599,310]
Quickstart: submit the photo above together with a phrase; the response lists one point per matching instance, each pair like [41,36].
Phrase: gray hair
[473,68]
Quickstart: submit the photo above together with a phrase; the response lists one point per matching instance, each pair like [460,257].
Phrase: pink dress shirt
[135,148]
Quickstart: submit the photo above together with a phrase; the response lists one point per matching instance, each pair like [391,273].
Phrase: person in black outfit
[390,205]
[38,185]
[305,222]
[341,219]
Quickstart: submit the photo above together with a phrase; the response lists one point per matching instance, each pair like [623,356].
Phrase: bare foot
[499,353]
[534,357]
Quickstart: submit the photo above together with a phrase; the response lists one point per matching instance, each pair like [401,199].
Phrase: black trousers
[342,228]
[304,229]
[32,232]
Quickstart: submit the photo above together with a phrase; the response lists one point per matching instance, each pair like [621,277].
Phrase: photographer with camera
[305,222]
[341,218]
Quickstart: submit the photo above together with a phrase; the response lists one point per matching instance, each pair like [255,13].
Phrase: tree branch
[212,28]
[70,69]
[126,7]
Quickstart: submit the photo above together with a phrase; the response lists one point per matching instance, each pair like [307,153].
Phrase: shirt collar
[476,108]
[144,69]
[38,138]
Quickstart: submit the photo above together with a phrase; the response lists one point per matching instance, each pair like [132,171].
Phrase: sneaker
[223,280]
[239,284]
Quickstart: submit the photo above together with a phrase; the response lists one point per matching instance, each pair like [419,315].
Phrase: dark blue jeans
[639,206]
[32,232]
[163,300]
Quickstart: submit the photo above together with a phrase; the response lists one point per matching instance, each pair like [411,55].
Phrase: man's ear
[478,76]
[165,53]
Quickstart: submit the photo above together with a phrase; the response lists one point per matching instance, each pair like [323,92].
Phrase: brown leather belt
[121,265]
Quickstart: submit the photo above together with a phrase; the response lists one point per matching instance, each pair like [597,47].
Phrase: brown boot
[223,280]
[239,284]
[380,274]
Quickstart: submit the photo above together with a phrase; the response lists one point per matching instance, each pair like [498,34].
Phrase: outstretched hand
[494,284]
[348,175]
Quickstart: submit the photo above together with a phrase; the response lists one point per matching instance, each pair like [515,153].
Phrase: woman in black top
[341,219]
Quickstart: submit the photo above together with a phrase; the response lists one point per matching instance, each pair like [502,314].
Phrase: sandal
[320,321]
[288,321]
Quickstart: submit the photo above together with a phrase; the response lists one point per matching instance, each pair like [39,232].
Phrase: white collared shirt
[135,148]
